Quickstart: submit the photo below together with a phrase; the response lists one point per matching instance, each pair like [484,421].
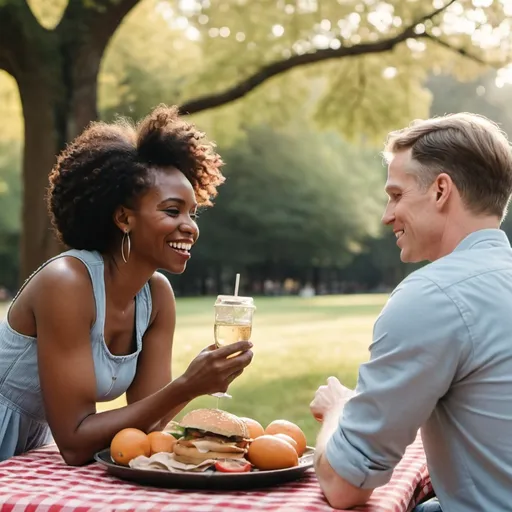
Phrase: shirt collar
[492,237]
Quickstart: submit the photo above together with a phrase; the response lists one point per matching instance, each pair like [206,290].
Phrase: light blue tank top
[23,423]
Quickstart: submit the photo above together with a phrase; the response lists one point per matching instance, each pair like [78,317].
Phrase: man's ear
[123,218]
[443,188]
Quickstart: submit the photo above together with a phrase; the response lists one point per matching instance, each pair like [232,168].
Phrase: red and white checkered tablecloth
[40,481]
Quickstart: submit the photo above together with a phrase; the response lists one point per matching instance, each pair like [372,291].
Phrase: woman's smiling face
[163,223]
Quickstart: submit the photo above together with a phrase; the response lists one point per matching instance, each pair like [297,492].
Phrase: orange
[288,439]
[255,428]
[161,442]
[269,452]
[128,444]
[290,429]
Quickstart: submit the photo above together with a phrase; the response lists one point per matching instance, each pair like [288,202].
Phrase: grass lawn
[298,343]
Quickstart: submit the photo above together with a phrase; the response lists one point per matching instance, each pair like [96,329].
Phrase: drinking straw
[237,284]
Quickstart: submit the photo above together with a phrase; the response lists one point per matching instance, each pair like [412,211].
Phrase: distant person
[441,357]
[98,320]
[4,293]
[307,291]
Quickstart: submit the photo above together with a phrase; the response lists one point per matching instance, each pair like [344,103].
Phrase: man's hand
[332,396]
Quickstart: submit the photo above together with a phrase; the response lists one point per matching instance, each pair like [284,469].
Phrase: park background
[299,96]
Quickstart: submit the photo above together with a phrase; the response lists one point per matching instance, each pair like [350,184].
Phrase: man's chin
[406,257]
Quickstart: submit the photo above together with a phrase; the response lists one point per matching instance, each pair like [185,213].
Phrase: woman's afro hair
[109,165]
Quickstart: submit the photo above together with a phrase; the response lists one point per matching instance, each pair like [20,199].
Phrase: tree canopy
[358,66]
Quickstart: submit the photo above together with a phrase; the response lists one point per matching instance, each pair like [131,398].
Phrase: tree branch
[95,24]
[18,27]
[276,68]
[462,51]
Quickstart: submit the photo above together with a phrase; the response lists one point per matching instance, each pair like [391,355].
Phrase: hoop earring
[126,236]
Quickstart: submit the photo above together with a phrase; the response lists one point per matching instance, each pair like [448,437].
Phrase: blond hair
[470,148]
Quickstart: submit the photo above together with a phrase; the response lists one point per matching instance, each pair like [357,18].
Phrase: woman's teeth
[179,246]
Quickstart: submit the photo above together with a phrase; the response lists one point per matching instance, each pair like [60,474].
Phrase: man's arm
[340,493]
[420,343]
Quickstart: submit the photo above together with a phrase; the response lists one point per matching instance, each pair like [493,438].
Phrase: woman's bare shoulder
[61,280]
[61,286]
[63,273]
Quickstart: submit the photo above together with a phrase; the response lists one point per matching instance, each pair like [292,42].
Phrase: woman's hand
[212,371]
[333,395]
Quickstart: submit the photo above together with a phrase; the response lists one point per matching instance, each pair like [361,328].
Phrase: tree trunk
[57,73]
[42,143]
[59,100]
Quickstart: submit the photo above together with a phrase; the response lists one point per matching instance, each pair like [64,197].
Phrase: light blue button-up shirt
[441,359]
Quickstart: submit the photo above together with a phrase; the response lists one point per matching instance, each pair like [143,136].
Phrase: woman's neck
[124,280]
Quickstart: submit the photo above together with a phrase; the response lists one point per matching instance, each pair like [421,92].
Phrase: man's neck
[456,231]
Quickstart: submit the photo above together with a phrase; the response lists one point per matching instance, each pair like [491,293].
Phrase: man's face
[411,212]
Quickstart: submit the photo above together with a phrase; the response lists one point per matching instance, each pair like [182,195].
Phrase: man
[441,357]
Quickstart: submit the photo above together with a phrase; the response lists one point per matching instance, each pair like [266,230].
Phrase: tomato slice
[233,466]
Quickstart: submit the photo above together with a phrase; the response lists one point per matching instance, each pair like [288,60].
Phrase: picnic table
[40,481]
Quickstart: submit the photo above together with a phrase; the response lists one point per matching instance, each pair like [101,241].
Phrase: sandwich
[211,434]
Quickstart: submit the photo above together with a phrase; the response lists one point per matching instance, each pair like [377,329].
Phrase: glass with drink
[233,322]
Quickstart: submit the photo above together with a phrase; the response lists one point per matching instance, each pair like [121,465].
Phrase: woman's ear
[443,186]
[122,218]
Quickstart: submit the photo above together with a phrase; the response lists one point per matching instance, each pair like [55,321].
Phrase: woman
[98,320]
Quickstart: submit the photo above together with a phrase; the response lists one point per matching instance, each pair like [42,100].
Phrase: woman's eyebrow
[173,199]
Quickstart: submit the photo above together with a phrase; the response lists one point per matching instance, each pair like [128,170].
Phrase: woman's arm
[63,312]
[154,363]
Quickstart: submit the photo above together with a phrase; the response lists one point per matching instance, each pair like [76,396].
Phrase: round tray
[208,479]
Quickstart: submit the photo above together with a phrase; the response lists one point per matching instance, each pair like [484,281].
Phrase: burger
[211,434]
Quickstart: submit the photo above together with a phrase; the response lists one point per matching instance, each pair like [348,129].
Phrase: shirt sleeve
[419,341]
